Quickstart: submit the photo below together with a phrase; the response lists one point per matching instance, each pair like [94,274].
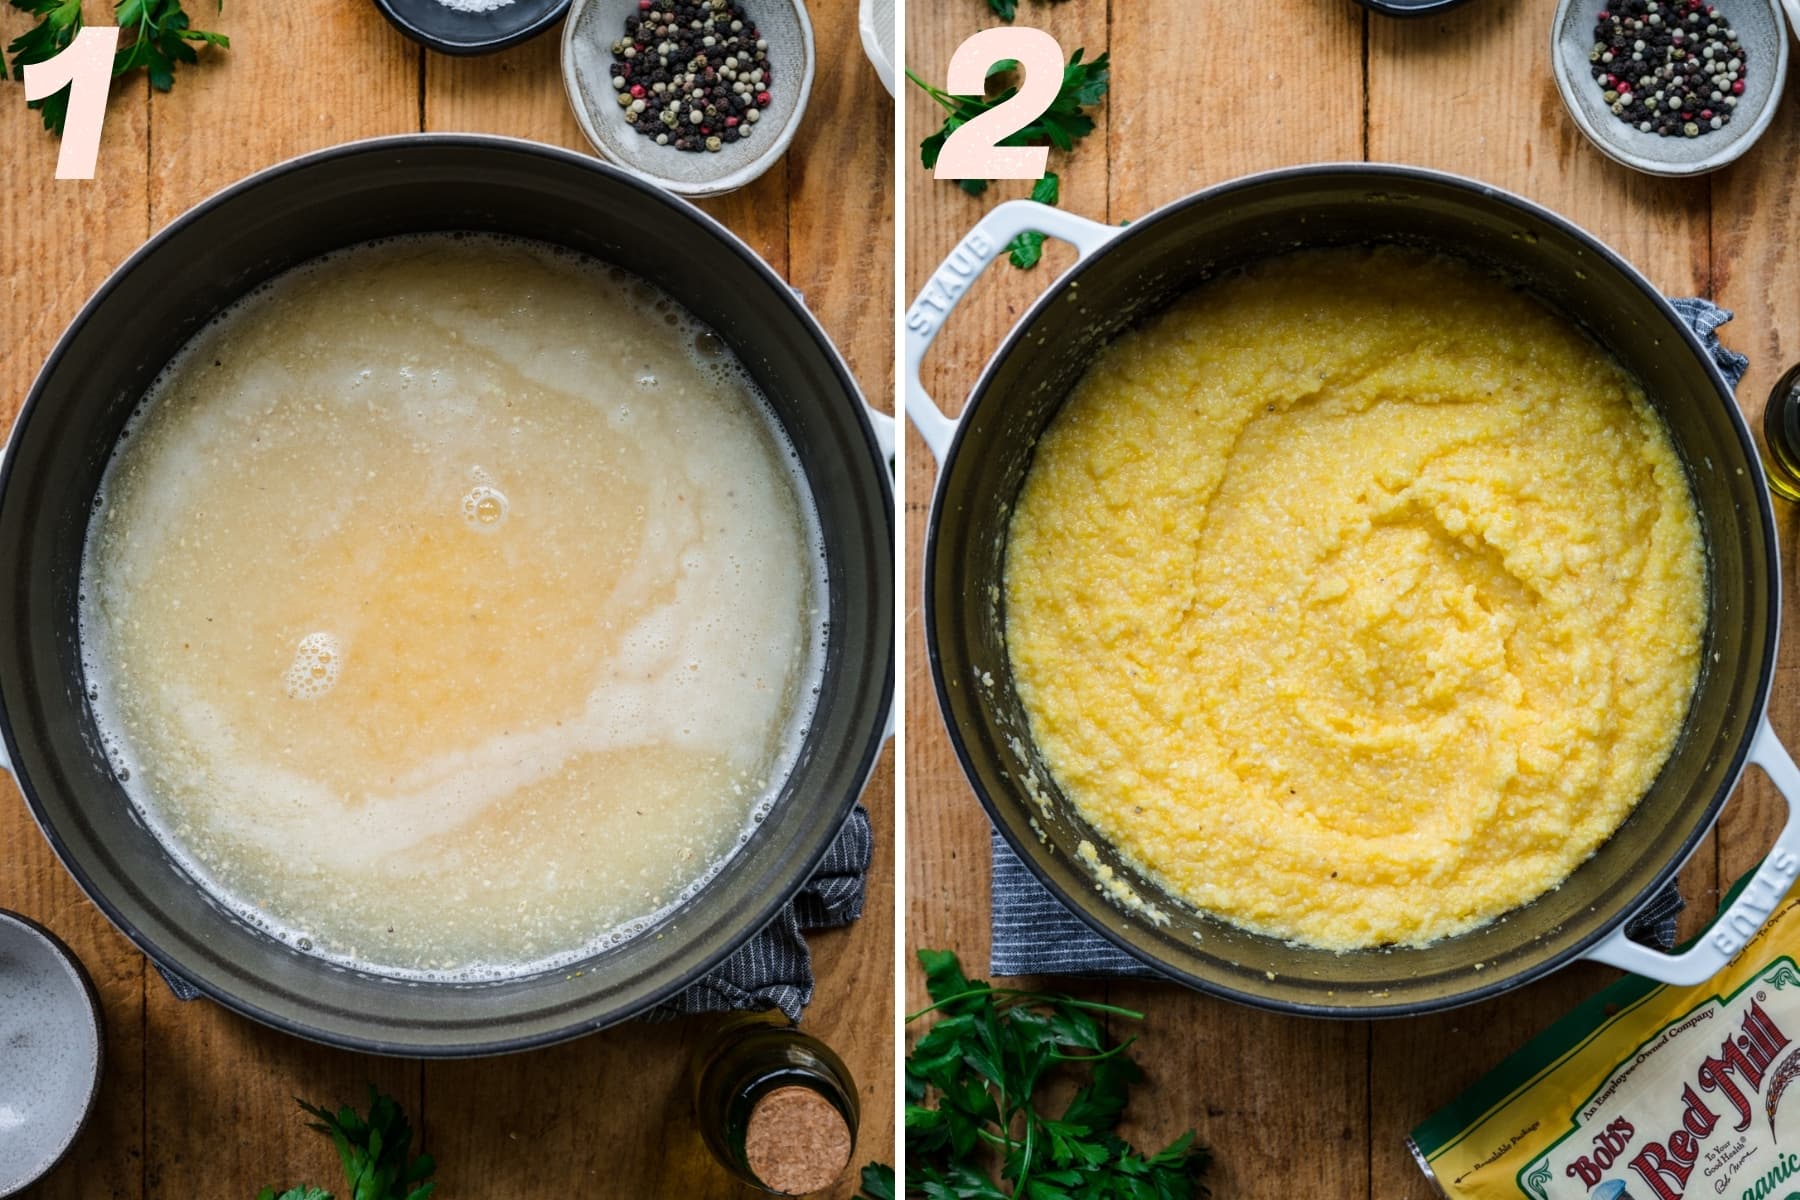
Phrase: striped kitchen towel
[1033,934]
[774,968]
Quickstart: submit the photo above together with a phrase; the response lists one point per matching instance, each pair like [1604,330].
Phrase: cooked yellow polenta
[1357,598]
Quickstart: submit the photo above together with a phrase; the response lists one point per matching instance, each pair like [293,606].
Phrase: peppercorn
[711,63]
[1703,66]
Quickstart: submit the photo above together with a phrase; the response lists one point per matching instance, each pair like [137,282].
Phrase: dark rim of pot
[1027,849]
[806,864]
[95,1014]
[1410,8]
[512,35]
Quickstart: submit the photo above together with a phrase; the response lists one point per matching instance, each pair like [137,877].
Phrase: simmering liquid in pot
[451,606]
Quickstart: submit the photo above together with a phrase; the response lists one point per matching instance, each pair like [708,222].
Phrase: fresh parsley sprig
[58,22]
[160,37]
[1006,10]
[877,1182]
[1028,247]
[971,1086]
[1061,125]
[375,1151]
[154,35]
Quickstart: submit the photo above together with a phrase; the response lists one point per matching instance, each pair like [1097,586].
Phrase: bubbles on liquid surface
[485,506]
[647,407]
[314,671]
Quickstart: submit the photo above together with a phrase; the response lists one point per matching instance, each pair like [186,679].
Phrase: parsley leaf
[154,35]
[375,1151]
[58,23]
[877,1182]
[1028,247]
[1006,10]
[160,39]
[1064,123]
[972,1086]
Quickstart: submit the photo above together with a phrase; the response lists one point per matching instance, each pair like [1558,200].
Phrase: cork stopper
[796,1141]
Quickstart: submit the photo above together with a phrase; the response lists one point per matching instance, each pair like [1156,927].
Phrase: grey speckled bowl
[50,1049]
[1760,28]
[587,62]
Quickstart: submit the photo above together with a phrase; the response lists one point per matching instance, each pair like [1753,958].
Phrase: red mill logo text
[1725,1086]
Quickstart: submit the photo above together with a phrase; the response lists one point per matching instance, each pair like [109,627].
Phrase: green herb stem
[1023,997]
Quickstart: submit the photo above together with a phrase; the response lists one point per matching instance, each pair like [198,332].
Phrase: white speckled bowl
[588,35]
[50,1051]
[1760,28]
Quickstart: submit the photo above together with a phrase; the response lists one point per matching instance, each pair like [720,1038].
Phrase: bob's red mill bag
[1645,1092]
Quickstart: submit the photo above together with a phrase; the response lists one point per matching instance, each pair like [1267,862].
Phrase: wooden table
[1201,93]
[198,1102]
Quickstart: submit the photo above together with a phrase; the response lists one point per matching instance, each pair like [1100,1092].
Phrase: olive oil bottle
[1781,431]
[774,1105]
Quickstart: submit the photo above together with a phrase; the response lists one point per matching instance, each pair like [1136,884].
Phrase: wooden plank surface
[59,243]
[198,1102]
[1202,93]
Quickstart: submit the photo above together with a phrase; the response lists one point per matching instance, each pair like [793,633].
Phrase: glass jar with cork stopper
[775,1106]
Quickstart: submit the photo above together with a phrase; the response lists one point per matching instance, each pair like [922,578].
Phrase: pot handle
[884,432]
[1734,927]
[961,269]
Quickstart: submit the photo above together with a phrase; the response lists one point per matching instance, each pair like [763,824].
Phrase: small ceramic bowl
[1761,29]
[587,65]
[471,26]
[1409,8]
[50,1050]
[875,19]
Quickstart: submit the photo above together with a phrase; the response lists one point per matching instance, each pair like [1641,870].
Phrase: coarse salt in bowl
[471,26]
[587,64]
[50,1069]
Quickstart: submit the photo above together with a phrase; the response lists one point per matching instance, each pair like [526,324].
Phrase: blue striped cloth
[774,968]
[1034,934]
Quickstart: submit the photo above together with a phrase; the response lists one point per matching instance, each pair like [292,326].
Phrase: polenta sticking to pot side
[1358,598]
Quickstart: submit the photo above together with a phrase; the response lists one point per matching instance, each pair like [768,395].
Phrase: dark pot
[1127,274]
[197,266]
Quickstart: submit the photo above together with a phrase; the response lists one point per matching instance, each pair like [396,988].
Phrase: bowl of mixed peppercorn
[1671,87]
[700,96]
